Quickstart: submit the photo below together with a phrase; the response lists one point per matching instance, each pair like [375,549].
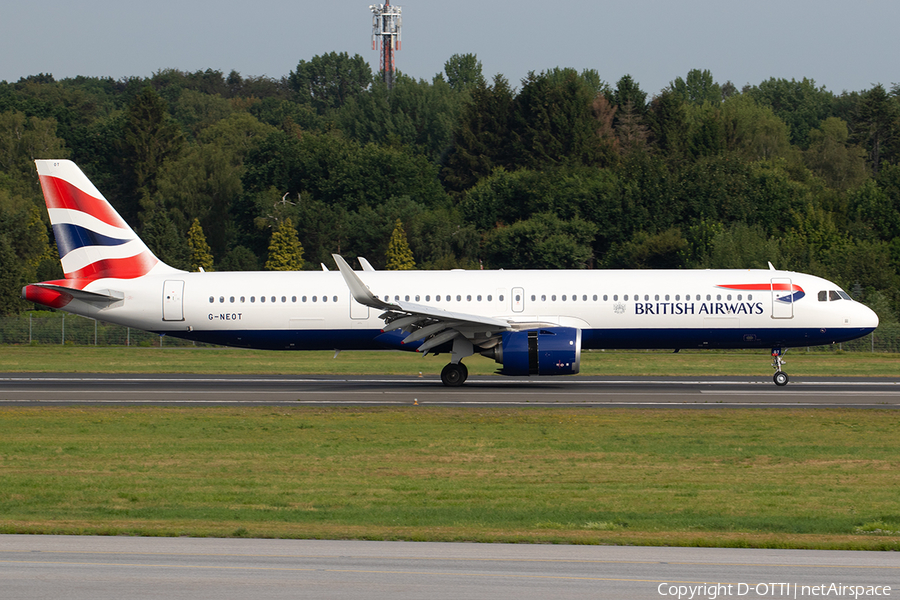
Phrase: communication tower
[386,27]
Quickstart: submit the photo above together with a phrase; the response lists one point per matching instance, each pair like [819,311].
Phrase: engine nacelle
[546,351]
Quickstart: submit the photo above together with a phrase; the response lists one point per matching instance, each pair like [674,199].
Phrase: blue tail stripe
[71,237]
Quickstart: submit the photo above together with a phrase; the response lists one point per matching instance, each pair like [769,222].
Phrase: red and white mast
[386,23]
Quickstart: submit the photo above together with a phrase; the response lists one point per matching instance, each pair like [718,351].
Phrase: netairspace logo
[711,591]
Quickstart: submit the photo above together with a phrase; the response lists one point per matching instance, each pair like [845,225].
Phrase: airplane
[531,322]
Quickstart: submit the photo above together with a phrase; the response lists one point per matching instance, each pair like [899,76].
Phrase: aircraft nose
[867,317]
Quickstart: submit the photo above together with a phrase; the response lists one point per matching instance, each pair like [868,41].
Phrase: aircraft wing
[422,322]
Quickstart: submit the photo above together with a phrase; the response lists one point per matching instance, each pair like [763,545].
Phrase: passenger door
[782,298]
[173,301]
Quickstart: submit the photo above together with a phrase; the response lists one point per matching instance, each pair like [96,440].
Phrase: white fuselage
[614,309]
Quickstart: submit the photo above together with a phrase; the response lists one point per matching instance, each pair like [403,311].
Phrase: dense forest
[565,170]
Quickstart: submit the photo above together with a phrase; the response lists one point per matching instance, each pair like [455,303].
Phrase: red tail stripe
[59,193]
[118,268]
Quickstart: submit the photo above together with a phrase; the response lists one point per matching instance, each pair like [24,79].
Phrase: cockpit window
[833,295]
[844,295]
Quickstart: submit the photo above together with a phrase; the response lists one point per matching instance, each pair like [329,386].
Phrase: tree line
[564,170]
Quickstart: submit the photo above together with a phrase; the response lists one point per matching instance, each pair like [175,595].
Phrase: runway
[99,568]
[176,390]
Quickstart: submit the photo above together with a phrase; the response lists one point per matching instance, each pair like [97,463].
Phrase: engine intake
[546,351]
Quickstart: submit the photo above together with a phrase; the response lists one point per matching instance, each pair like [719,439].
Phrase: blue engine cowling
[545,351]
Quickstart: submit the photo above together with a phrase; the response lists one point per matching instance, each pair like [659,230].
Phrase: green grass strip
[87,359]
[758,478]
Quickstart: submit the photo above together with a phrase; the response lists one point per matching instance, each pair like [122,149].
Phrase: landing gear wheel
[781,378]
[454,375]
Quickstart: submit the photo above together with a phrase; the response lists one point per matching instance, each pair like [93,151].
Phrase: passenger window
[543,297]
[708,297]
[231,300]
[262,298]
[677,297]
[564,298]
[458,298]
[553,297]
[728,297]
[718,296]
[489,298]
[314,298]
[625,297]
[448,298]
[406,298]
[284,299]
[324,298]
[468,297]
[302,298]
[293,298]
[242,299]
[584,298]
[740,297]
[334,299]
[667,297]
[428,298]
[417,297]
[616,298]
[500,297]
[273,298]
[749,297]
[533,297]
[478,297]
[211,299]
[437,298]
[252,299]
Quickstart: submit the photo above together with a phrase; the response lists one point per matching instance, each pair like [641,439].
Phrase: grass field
[86,359]
[761,478]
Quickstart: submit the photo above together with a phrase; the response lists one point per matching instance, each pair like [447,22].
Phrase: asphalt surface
[62,389]
[99,568]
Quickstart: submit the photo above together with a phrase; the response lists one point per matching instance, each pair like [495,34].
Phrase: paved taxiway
[36,389]
[97,568]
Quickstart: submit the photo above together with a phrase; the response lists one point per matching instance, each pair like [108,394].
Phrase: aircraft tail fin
[94,242]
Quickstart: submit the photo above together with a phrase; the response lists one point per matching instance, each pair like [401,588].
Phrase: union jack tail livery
[94,242]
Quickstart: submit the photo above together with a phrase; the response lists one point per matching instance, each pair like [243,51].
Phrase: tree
[399,256]
[463,71]
[829,156]
[201,257]
[697,88]
[800,104]
[150,137]
[22,140]
[481,139]
[876,125]
[285,250]
[329,81]
[554,124]
[541,242]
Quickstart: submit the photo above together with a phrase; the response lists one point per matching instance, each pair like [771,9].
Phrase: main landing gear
[780,378]
[454,374]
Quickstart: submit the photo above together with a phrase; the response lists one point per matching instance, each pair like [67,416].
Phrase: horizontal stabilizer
[103,296]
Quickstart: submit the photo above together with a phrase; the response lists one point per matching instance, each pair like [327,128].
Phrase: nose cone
[865,318]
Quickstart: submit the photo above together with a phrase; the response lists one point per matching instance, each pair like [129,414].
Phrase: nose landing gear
[780,378]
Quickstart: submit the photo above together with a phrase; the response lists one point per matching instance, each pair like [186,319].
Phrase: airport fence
[53,327]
